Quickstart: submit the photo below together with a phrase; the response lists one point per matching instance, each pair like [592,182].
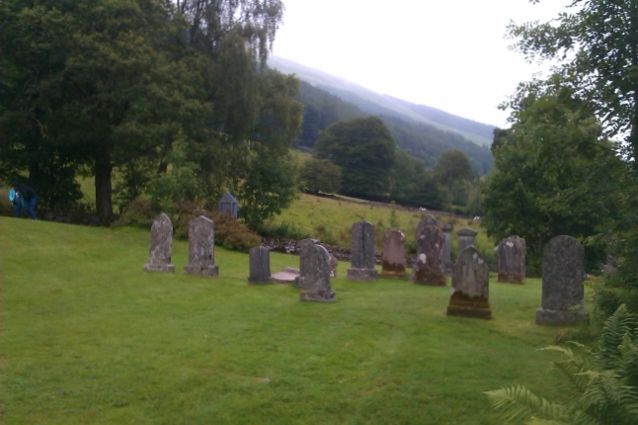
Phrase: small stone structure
[159,256]
[563,274]
[363,258]
[466,237]
[315,280]
[470,286]
[446,251]
[259,264]
[393,258]
[287,275]
[510,259]
[201,247]
[428,267]
[228,205]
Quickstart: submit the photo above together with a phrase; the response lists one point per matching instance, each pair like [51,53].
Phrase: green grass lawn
[86,337]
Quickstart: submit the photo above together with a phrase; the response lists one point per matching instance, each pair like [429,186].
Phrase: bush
[138,212]
[320,175]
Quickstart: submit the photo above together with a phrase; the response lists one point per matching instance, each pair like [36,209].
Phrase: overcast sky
[449,54]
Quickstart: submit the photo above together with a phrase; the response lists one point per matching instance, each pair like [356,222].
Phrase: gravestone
[467,237]
[446,251]
[316,279]
[470,286]
[228,205]
[510,259]
[159,256]
[428,267]
[201,247]
[393,257]
[302,247]
[259,265]
[363,258]
[563,274]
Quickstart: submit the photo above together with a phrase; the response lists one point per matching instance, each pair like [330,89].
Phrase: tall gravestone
[363,258]
[446,251]
[228,205]
[393,261]
[563,274]
[510,259]
[466,237]
[259,265]
[201,247]
[316,279]
[470,286]
[159,256]
[428,268]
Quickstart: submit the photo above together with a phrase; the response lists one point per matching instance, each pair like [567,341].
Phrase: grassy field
[330,219]
[86,337]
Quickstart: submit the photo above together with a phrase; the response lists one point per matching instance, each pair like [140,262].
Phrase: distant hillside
[377,104]
[422,140]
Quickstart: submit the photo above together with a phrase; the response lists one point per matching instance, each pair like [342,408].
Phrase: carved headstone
[259,259]
[201,247]
[363,258]
[446,251]
[159,256]
[470,286]
[510,254]
[428,267]
[316,280]
[393,257]
[467,237]
[302,247]
[563,274]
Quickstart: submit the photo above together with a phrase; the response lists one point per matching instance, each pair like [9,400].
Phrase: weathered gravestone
[393,257]
[159,256]
[446,251]
[467,237]
[428,267]
[363,258]
[510,259]
[259,264]
[470,286]
[315,280]
[228,205]
[303,260]
[201,247]
[563,274]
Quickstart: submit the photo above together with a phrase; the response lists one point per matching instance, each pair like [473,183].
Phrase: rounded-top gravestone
[201,247]
[159,256]
[315,286]
[563,291]
[428,268]
[510,258]
[393,261]
[363,257]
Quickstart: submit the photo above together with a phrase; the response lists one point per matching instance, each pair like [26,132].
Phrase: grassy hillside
[87,337]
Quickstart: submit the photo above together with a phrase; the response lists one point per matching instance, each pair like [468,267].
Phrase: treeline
[166,98]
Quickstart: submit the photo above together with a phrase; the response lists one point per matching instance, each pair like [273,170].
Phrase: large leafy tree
[595,43]
[364,149]
[553,173]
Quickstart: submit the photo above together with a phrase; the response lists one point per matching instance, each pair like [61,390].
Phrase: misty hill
[377,104]
[323,107]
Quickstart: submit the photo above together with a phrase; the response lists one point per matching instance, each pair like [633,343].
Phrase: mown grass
[87,337]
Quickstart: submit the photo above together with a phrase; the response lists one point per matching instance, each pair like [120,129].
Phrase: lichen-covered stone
[428,268]
[363,256]
[159,256]
[315,285]
[510,259]
[470,286]
[201,247]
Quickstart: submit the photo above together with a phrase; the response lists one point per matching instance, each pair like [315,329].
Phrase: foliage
[412,184]
[320,175]
[595,44]
[364,149]
[453,166]
[606,382]
[553,175]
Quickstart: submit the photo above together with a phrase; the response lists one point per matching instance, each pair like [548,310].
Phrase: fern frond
[618,325]
[518,405]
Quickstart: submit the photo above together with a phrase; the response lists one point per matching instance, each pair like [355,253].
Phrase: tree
[364,149]
[453,166]
[553,174]
[320,175]
[596,45]
[412,184]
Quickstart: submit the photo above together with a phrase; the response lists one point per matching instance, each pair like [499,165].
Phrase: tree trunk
[103,189]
